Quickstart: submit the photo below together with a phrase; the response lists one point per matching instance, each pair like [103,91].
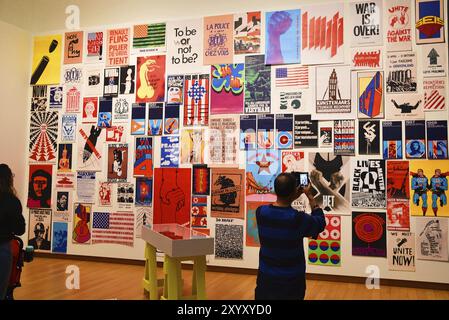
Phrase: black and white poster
[329,177]
[434,60]
[404,106]
[401,251]
[369,184]
[401,72]
[365,23]
[369,137]
[306,131]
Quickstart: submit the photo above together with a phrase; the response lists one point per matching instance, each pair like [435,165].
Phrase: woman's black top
[11,218]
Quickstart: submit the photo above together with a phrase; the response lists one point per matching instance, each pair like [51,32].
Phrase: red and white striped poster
[196,100]
[434,94]
[113,228]
[73,100]
[322,34]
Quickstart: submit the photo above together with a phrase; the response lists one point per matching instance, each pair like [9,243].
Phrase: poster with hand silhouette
[404,107]
[172,195]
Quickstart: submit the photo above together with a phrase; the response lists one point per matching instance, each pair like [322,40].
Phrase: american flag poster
[291,76]
[149,37]
[113,228]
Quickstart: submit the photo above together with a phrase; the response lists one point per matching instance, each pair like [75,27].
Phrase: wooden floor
[45,278]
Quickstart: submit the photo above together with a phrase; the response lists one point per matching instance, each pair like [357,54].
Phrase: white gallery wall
[42,17]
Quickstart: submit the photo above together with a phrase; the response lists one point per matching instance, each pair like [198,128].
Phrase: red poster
[397,180]
[73,47]
[39,187]
[150,79]
[172,196]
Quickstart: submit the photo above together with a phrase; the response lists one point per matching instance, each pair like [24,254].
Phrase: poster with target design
[369,236]
[43,136]
[326,249]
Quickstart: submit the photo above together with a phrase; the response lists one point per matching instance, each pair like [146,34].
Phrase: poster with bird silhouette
[43,137]
[329,177]
[150,83]
[90,141]
[46,64]
[172,195]
[227,83]
[262,168]
[227,193]
[283,37]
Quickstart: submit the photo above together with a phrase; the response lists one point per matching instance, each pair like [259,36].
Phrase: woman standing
[11,223]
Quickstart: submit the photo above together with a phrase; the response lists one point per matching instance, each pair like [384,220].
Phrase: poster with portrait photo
[59,241]
[369,137]
[39,230]
[105,113]
[325,131]
[415,139]
[63,206]
[40,186]
[125,195]
[117,162]
[330,180]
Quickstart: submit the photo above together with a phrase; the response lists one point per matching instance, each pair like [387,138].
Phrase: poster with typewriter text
[257,85]
[401,72]
[39,231]
[227,193]
[366,23]
[333,93]
[369,184]
[223,140]
[398,194]
[369,137]
[330,180]
[431,239]
[322,33]
[398,21]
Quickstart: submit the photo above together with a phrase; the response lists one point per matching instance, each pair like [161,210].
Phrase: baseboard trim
[309,276]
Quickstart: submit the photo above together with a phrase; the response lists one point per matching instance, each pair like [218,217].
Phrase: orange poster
[118,47]
[73,47]
[218,39]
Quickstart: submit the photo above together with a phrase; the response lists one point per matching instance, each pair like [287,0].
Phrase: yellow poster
[46,67]
[429,182]
[192,146]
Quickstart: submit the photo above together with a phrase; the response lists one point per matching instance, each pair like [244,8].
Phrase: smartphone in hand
[302,179]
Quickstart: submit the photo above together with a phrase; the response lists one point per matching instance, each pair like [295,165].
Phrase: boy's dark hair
[285,185]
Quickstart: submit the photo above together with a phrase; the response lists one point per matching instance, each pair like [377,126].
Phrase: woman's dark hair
[6,180]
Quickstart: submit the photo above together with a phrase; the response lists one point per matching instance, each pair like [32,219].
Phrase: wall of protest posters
[190,121]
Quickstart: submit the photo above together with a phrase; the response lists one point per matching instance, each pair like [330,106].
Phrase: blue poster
[169,152]
[283,37]
[59,244]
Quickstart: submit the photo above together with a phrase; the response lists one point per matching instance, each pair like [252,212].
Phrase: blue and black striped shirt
[281,233]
